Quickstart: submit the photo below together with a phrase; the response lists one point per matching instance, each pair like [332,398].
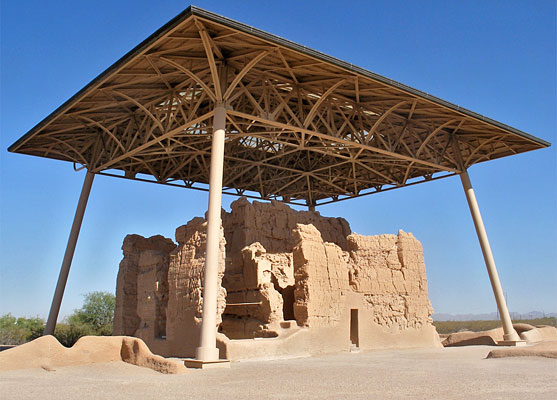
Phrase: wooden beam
[207,45]
[154,141]
[341,141]
[243,73]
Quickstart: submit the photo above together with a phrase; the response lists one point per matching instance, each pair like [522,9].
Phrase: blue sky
[497,58]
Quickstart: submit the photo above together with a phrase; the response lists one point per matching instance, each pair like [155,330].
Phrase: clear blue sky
[497,58]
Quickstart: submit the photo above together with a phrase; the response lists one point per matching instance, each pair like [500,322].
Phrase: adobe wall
[185,282]
[389,271]
[296,277]
[142,287]
[159,289]
[271,224]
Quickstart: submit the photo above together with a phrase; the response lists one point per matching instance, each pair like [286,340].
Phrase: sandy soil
[451,373]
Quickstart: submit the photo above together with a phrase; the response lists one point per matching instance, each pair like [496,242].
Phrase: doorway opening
[354,331]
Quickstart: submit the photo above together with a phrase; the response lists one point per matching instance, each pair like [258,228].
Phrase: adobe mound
[47,353]
[543,349]
[529,333]
[485,338]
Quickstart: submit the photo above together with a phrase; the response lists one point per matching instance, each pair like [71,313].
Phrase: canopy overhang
[302,127]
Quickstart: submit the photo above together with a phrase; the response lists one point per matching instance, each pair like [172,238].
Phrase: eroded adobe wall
[321,276]
[142,287]
[372,295]
[256,295]
[159,289]
[271,225]
[389,271]
[259,266]
[185,282]
[284,274]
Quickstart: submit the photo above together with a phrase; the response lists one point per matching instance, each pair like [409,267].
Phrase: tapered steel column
[68,255]
[509,332]
[207,350]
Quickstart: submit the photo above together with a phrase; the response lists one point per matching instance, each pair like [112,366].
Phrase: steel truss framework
[302,127]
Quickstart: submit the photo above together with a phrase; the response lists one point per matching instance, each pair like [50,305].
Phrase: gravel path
[450,373]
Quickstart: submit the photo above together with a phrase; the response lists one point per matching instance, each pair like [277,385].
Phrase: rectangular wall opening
[354,331]
[161,304]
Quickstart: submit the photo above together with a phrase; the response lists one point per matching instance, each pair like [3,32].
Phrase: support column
[68,255]
[510,336]
[207,350]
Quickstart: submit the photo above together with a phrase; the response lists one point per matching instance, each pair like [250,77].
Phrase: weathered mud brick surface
[278,268]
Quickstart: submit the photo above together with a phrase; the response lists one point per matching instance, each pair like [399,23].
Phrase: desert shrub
[14,331]
[69,334]
[10,333]
[95,317]
[97,312]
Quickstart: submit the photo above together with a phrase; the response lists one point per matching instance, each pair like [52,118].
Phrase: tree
[95,317]
[97,313]
[15,331]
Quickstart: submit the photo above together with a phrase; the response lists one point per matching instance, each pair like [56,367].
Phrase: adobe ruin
[290,283]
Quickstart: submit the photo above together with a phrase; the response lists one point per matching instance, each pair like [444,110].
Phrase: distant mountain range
[490,316]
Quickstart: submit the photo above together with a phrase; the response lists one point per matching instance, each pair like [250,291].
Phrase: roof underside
[302,127]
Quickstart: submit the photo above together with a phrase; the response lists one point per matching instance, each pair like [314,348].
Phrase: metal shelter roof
[302,127]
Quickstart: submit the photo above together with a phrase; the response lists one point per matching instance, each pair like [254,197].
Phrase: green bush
[69,334]
[14,331]
[94,318]
[97,312]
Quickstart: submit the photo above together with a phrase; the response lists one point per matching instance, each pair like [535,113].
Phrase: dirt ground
[450,373]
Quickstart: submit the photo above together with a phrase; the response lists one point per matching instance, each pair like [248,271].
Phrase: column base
[513,337]
[200,364]
[207,354]
[514,343]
